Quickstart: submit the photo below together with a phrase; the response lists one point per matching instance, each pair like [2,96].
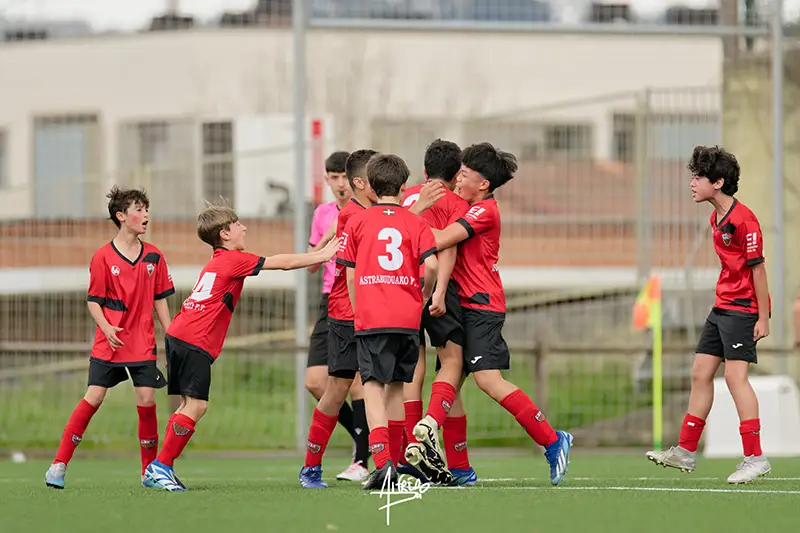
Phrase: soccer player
[323,229]
[484,169]
[441,317]
[739,318]
[195,337]
[128,279]
[342,356]
[383,250]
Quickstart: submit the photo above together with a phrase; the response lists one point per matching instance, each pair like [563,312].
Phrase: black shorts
[342,351]
[446,327]
[104,375]
[188,369]
[729,334]
[484,345]
[318,344]
[388,357]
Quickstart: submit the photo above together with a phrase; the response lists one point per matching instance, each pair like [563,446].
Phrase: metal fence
[600,201]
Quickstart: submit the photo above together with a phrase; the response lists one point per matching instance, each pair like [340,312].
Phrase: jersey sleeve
[753,242]
[98,284]
[458,210]
[246,264]
[478,219]
[316,228]
[427,242]
[346,256]
[164,285]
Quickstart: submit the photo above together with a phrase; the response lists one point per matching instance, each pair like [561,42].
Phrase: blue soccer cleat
[161,476]
[54,477]
[311,478]
[465,477]
[557,455]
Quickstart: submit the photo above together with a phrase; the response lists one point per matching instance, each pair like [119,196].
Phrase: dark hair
[119,200]
[356,164]
[442,160]
[494,165]
[716,163]
[336,162]
[386,174]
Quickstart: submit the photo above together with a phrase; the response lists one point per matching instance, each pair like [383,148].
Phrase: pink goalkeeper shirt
[324,215]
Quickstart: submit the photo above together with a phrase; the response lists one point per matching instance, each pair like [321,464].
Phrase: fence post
[540,375]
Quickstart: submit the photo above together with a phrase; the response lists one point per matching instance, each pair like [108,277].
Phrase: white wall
[355,75]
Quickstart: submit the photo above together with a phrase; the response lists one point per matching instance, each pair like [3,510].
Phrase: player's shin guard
[750,431]
[319,434]
[529,417]
[691,431]
[442,397]
[73,431]
[454,435]
[413,415]
[396,430]
[179,431]
[148,434]
[379,446]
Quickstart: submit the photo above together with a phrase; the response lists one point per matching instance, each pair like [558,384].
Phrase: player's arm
[161,308]
[754,255]
[431,273]
[164,289]
[429,194]
[447,260]
[451,235]
[98,289]
[321,243]
[295,261]
[351,286]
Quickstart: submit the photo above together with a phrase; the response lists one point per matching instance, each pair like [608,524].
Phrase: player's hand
[111,334]
[762,329]
[437,307]
[331,233]
[430,194]
[330,249]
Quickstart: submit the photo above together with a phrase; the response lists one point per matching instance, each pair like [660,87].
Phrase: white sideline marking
[632,489]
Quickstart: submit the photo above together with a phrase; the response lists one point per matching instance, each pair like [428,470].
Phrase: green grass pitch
[603,492]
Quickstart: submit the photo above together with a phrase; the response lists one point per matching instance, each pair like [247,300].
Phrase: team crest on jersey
[150,269]
[726,238]
[115,270]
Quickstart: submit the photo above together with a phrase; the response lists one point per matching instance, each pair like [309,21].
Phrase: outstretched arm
[451,235]
[295,261]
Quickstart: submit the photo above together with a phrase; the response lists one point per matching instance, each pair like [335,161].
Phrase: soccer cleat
[377,479]
[161,476]
[751,468]
[311,478]
[54,477]
[410,470]
[148,483]
[465,477]
[675,457]
[557,455]
[428,464]
[354,472]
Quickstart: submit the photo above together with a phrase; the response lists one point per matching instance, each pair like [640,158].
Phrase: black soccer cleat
[377,479]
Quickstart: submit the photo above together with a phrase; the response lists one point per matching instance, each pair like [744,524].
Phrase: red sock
[442,397]
[413,415]
[396,430]
[691,431]
[73,431]
[751,436]
[148,434]
[379,446]
[455,442]
[530,417]
[319,434]
[403,448]
[179,431]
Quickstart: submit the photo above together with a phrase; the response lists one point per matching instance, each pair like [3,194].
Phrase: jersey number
[394,260]
[202,291]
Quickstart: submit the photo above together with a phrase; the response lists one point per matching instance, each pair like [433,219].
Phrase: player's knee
[315,386]
[736,374]
[195,408]
[488,381]
[95,395]
[145,396]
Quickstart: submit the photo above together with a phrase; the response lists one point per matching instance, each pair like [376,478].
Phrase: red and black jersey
[385,245]
[739,244]
[126,290]
[475,272]
[339,307]
[206,314]
[448,208]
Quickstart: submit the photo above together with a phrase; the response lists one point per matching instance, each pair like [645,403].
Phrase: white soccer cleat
[354,472]
[54,477]
[675,457]
[751,468]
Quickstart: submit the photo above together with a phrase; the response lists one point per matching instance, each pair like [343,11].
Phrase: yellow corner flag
[647,315]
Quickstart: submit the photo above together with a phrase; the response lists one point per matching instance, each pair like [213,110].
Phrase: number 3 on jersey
[202,291]
[394,259]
